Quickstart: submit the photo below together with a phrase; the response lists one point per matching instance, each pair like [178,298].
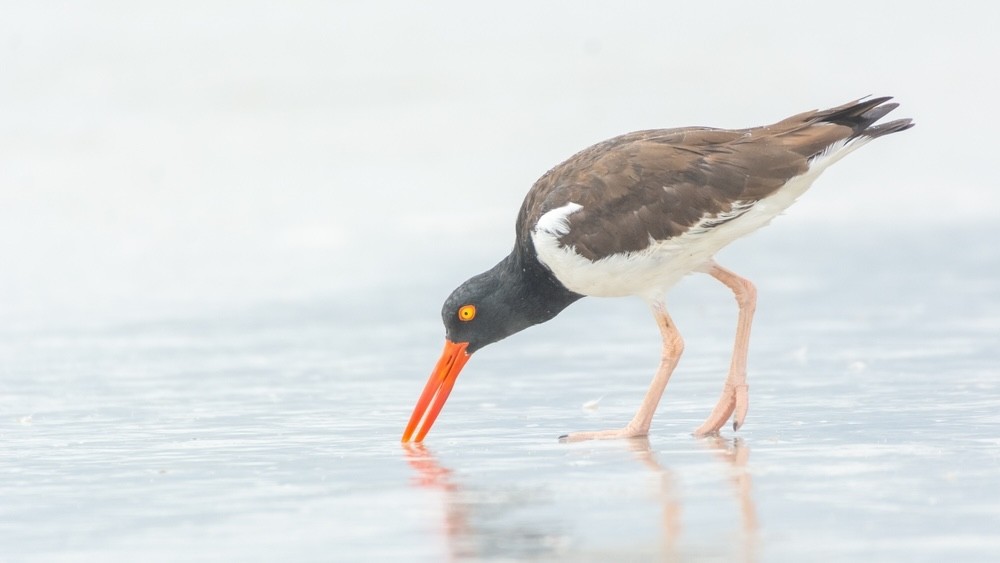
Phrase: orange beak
[437,390]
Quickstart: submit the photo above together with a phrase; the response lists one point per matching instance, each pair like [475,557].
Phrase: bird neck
[532,288]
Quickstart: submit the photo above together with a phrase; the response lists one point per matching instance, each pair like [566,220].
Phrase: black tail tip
[890,127]
[862,114]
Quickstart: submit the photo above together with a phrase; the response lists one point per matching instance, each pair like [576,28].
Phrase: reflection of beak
[437,390]
[430,472]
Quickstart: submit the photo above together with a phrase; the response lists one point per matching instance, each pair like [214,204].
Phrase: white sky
[226,152]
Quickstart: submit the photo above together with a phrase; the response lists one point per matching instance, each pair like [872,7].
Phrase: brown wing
[656,184]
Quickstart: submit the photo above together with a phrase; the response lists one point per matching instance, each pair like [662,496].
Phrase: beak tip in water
[436,392]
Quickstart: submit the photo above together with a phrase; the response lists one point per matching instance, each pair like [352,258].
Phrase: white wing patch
[556,221]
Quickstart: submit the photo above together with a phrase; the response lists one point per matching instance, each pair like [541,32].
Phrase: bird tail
[861,115]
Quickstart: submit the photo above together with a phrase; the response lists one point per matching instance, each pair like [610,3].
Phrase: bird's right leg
[673,346]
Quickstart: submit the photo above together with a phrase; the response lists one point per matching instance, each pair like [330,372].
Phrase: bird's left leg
[673,346]
[735,394]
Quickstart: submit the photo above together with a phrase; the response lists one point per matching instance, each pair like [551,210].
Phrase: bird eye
[467,313]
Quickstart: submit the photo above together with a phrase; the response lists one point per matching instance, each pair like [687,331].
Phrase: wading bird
[631,216]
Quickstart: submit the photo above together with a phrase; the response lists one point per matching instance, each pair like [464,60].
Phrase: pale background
[212,153]
[226,230]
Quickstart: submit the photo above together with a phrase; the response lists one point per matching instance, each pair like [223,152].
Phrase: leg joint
[745,292]
[673,346]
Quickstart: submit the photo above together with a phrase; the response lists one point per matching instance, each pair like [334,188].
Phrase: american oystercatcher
[631,216]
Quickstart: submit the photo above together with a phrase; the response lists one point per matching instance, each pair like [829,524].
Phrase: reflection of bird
[736,454]
[631,216]
[431,473]
[457,528]
[667,493]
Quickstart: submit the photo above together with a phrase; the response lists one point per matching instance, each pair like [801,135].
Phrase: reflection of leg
[737,455]
[735,395]
[668,496]
[673,346]
[741,477]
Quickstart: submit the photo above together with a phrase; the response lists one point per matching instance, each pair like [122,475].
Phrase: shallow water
[272,431]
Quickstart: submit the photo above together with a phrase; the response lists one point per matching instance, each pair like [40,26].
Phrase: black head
[502,301]
[481,311]
[513,295]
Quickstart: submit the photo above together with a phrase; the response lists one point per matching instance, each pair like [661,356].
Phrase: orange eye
[467,313]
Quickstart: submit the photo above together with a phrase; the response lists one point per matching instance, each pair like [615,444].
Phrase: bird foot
[627,432]
[735,399]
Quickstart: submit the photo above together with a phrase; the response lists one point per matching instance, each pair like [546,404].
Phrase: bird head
[485,309]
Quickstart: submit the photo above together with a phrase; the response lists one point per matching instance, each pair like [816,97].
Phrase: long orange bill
[437,390]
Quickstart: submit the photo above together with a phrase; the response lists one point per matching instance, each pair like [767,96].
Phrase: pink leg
[673,346]
[735,395]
